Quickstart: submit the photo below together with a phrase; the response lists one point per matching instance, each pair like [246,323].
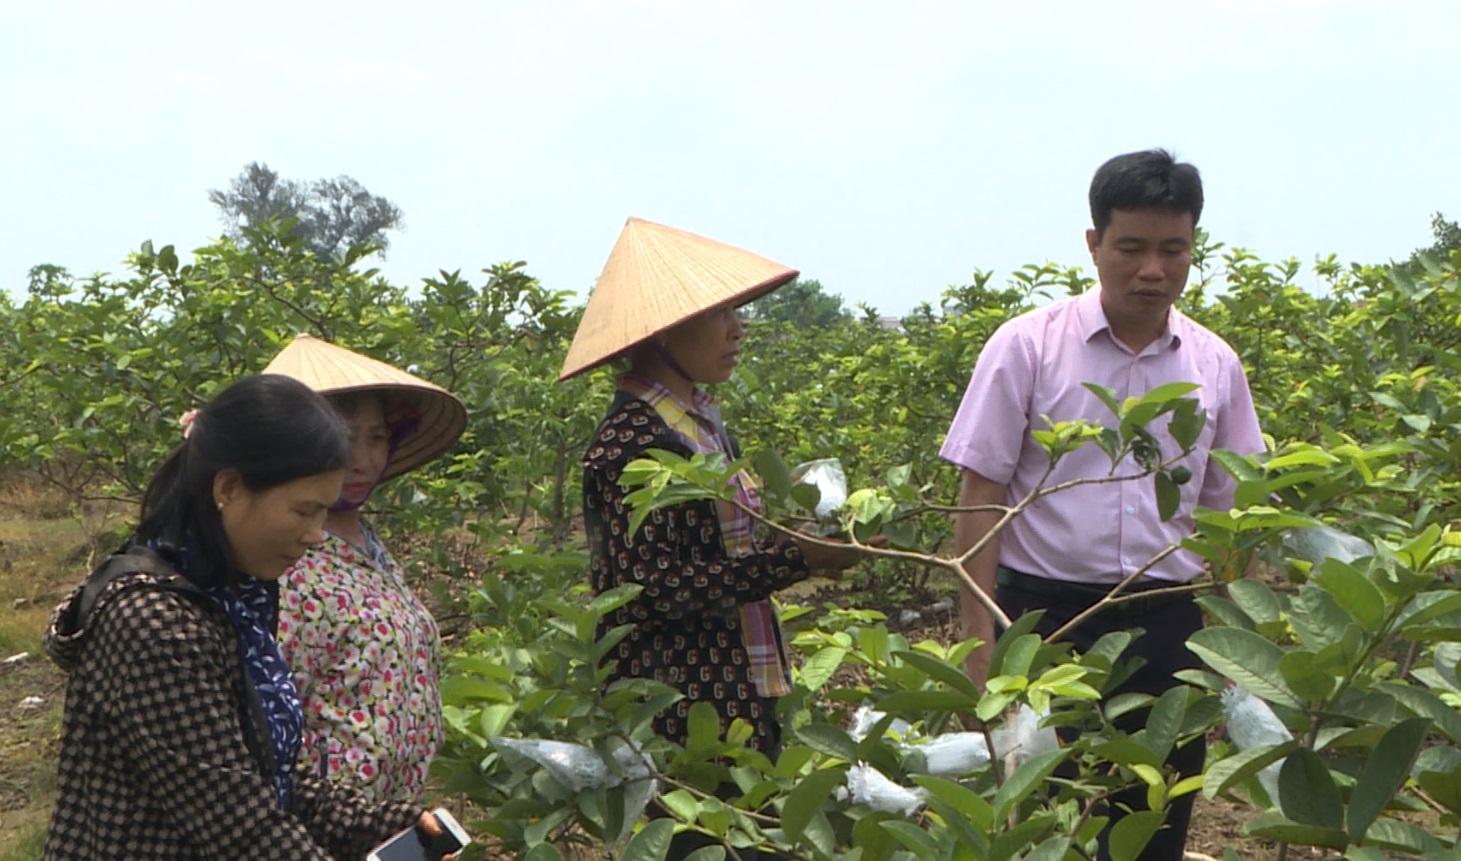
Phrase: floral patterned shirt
[366,657]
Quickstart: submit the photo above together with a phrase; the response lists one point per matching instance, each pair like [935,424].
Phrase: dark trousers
[682,845]
[1167,623]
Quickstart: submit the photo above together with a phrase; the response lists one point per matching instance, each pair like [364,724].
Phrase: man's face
[1142,260]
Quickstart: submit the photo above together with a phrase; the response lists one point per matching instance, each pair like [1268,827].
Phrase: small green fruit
[1180,475]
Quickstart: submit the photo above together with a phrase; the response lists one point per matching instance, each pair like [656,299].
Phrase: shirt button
[1131,509]
[1126,560]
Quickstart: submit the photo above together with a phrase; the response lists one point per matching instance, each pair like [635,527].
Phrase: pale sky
[886,149]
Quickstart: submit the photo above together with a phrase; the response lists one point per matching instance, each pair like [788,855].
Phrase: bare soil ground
[46,546]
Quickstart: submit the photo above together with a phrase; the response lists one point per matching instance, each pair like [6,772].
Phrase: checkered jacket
[159,752]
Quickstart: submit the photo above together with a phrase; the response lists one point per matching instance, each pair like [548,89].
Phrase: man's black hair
[1150,179]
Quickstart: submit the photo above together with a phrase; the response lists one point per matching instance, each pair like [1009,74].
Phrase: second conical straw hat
[439,415]
[657,276]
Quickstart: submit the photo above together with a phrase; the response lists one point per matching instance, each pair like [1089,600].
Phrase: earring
[220,507]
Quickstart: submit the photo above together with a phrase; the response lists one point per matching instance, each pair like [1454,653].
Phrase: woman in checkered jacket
[182,726]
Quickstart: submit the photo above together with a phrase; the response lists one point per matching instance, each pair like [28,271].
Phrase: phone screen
[411,845]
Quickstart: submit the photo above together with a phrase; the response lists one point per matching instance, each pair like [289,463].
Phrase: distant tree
[48,279]
[330,214]
[1445,236]
[803,303]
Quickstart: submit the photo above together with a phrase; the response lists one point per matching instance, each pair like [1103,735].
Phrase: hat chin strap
[664,356]
[346,505]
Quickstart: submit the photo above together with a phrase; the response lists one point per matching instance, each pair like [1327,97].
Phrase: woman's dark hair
[1151,179]
[272,430]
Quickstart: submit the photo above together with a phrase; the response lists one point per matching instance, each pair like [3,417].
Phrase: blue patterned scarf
[252,609]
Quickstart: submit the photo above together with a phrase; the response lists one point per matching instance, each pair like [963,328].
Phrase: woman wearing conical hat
[704,622]
[364,649]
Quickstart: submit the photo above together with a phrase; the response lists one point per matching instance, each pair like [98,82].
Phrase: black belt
[1085,594]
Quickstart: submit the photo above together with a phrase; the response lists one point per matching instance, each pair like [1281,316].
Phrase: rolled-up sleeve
[989,429]
[1237,431]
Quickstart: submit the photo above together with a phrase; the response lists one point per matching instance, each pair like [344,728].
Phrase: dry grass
[47,544]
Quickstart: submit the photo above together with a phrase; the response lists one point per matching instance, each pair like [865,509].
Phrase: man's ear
[1092,240]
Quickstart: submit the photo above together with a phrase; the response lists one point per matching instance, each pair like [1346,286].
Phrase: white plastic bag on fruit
[867,785]
[865,718]
[955,754]
[1252,724]
[580,767]
[827,477]
[576,766]
[1023,736]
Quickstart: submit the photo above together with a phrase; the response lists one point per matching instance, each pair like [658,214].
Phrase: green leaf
[1400,836]
[940,671]
[1443,786]
[1105,396]
[1356,594]
[543,852]
[1132,833]
[703,726]
[681,803]
[1256,599]
[1247,659]
[1426,704]
[806,800]
[918,841]
[651,843]
[1053,849]
[1187,424]
[1237,465]
[918,701]
[969,805]
[1275,827]
[1024,780]
[1168,391]
[828,740]
[1019,656]
[1227,773]
[1164,722]
[775,477]
[1127,752]
[819,668]
[1307,792]
[1169,497]
[806,495]
[1384,772]
[1304,457]
[1226,611]
[1301,673]
[1317,618]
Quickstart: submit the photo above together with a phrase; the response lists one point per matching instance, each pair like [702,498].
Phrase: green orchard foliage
[1355,384]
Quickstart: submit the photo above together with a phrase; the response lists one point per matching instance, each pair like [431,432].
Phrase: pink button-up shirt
[1034,365]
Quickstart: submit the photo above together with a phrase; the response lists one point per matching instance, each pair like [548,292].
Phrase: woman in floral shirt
[364,649]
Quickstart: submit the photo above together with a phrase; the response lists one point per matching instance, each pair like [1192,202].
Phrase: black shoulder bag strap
[119,564]
[143,560]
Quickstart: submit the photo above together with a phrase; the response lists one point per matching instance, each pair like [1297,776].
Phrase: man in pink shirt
[1071,547]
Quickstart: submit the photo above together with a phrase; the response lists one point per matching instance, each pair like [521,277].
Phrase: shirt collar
[1093,320]
[652,393]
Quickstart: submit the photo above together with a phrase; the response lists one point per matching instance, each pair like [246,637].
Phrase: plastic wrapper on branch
[580,767]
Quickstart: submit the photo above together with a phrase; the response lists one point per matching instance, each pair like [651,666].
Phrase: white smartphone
[412,845]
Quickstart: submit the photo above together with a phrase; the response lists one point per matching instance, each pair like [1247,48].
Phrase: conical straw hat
[330,370]
[657,276]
